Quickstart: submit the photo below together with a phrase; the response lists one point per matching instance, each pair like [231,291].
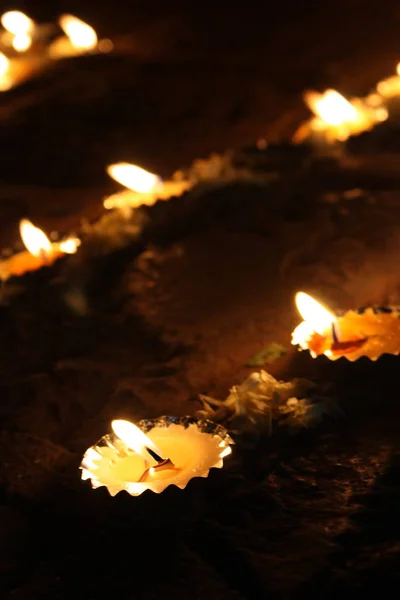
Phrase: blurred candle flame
[331,107]
[22,42]
[34,239]
[80,34]
[17,22]
[133,177]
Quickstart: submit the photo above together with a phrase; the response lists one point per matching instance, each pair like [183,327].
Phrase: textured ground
[311,515]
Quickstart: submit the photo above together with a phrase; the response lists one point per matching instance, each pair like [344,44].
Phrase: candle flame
[133,177]
[313,313]
[17,23]
[22,42]
[4,64]
[35,240]
[331,107]
[70,245]
[80,34]
[134,438]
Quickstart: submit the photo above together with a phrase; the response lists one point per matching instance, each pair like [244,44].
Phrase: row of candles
[27,49]
[155,454]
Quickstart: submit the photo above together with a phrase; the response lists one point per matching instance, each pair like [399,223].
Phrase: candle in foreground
[367,331]
[40,251]
[336,118]
[155,454]
[80,38]
[144,188]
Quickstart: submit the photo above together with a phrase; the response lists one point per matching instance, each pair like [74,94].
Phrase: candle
[80,38]
[337,118]
[20,28]
[144,188]
[40,251]
[155,454]
[367,331]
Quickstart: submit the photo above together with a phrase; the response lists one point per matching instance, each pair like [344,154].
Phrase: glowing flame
[35,240]
[133,177]
[135,439]
[70,245]
[317,320]
[4,64]
[17,23]
[22,42]
[314,313]
[80,34]
[331,107]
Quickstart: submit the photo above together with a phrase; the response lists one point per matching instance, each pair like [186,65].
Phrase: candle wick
[155,455]
[165,463]
[334,334]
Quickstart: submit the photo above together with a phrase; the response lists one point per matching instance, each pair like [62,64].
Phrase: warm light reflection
[331,107]
[34,239]
[16,22]
[135,439]
[133,177]
[22,42]
[80,34]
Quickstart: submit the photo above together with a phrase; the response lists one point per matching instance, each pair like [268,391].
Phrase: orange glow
[135,439]
[34,239]
[80,34]
[133,177]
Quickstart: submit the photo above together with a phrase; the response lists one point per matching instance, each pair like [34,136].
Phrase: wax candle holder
[368,331]
[169,451]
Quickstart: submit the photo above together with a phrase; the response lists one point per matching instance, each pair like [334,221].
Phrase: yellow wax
[21,263]
[192,452]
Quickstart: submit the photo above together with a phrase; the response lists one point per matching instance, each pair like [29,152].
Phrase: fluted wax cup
[367,331]
[193,447]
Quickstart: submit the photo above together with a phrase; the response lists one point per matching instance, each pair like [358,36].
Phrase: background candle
[367,331]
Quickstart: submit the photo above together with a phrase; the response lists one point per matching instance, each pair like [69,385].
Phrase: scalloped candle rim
[193,445]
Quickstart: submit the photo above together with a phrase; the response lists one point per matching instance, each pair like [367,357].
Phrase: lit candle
[155,454]
[20,28]
[337,118]
[40,251]
[367,331]
[80,38]
[144,188]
